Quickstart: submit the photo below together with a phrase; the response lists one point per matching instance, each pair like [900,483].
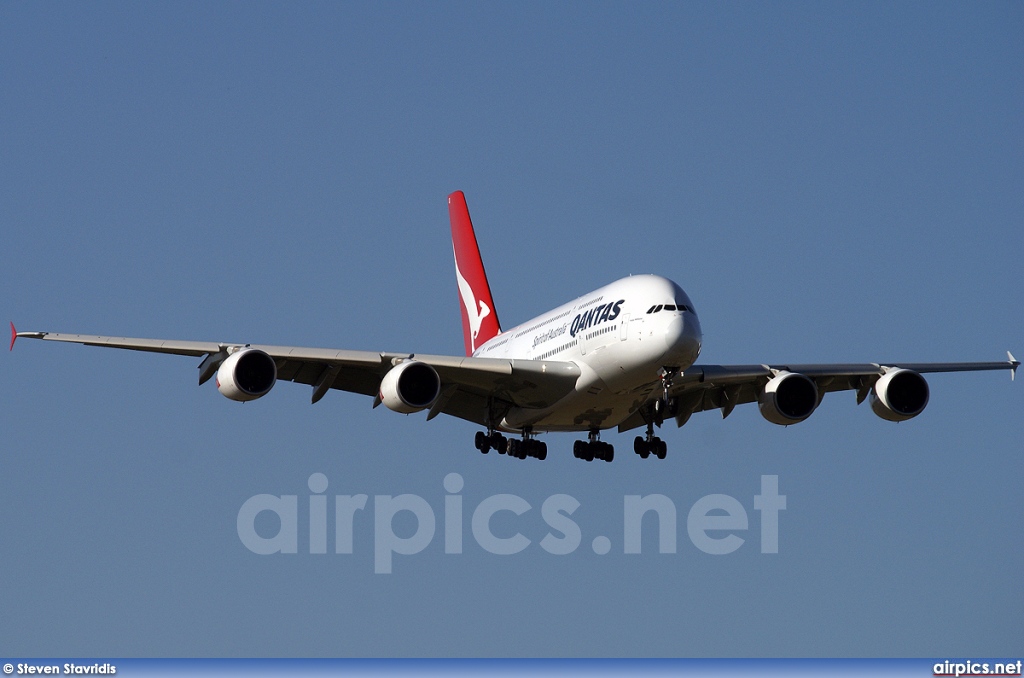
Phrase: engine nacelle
[788,398]
[410,387]
[246,374]
[899,395]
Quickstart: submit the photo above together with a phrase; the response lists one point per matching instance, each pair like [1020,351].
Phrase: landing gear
[646,447]
[499,442]
[482,442]
[485,442]
[668,375]
[593,448]
[652,444]
[520,449]
[527,447]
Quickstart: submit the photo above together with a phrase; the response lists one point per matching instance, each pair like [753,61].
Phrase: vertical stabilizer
[479,317]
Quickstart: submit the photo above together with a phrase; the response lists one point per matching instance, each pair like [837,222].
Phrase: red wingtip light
[14,335]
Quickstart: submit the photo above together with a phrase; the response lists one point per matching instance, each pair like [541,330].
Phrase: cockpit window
[685,307]
[670,307]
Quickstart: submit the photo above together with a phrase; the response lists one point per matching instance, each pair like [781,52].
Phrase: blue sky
[829,182]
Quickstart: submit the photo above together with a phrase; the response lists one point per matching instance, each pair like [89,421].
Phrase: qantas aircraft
[623,356]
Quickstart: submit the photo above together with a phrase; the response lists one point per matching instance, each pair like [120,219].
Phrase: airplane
[623,356]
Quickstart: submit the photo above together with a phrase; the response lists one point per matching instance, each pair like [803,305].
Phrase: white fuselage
[621,336]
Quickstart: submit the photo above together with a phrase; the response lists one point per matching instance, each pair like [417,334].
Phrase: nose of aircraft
[682,340]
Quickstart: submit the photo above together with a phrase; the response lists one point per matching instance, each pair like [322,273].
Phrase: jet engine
[246,374]
[899,395]
[788,398]
[410,387]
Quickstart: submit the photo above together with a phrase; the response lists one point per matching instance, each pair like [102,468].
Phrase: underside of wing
[788,394]
[480,390]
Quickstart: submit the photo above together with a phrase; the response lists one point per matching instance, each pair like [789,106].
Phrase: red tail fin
[479,318]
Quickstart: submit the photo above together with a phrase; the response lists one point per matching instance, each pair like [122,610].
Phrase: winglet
[1014,364]
[14,335]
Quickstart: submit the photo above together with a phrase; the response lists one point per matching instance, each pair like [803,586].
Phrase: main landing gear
[485,442]
[520,449]
[588,450]
[652,444]
[593,448]
[645,447]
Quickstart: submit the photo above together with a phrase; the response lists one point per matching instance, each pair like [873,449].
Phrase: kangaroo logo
[475,310]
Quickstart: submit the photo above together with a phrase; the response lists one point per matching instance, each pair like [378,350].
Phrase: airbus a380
[623,356]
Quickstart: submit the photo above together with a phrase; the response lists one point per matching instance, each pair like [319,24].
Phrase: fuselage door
[636,329]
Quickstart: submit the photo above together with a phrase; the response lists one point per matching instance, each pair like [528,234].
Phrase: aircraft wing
[723,387]
[470,387]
